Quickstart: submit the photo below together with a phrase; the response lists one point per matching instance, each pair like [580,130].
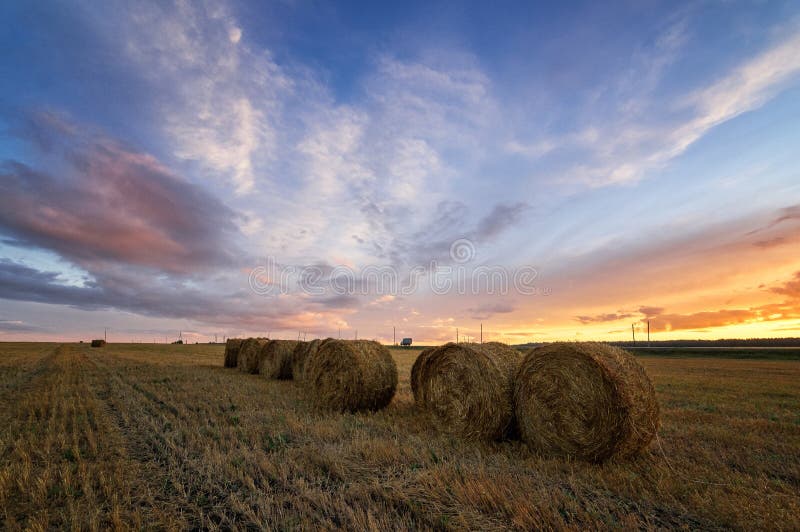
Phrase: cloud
[123,289]
[14,326]
[502,217]
[220,100]
[787,214]
[785,310]
[702,320]
[111,204]
[602,318]
[487,310]
[650,311]
[790,288]
[643,134]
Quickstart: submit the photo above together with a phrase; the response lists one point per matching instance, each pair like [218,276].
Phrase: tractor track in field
[64,464]
[152,430]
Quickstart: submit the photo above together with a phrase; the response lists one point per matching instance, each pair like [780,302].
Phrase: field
[154,436]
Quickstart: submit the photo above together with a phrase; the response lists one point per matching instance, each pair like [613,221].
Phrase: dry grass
[163,436]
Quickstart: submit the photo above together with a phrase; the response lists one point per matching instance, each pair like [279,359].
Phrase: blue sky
[641,156]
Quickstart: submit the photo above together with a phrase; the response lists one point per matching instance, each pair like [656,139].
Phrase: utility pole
[481,332]
[456,334]
[648,333]
[633,332]
[105,334]
[394,335]
[356,334]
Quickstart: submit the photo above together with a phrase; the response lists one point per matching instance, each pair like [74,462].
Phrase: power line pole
[648,333]
[356,334]
[456,334]
[105,334]
[394,335]
[481,332]
[633,332]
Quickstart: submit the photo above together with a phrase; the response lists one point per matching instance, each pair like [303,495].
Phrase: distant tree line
[725,342]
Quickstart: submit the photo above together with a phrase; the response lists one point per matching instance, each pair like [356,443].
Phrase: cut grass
[162,436]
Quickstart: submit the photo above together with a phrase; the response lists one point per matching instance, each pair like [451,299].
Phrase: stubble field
[162,436]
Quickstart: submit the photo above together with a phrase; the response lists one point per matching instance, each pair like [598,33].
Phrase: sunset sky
[156,158]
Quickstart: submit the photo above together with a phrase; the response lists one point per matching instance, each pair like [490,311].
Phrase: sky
[545,171]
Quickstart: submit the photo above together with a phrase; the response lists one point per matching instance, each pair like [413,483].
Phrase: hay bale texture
[275,360]
[232,351]
[585,400]
[250,354]
[302,353]
[468,388]
[351,375]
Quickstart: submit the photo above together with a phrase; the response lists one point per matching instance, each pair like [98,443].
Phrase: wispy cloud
[220,99]
[642,132]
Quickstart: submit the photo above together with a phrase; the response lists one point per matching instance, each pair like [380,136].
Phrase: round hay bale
[351,375]
[249,354]
[275,359]
[416,372]
[301,354]
[232,351]
[585,400]
[468,388]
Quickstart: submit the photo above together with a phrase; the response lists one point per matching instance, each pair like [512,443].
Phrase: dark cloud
[166,296]
[787,214]
[790,288]
[485,311]
[117,288]
[651,311]
[602,318]
[502,217]
[770,243]
[339,301]
[452,222]
[109,204]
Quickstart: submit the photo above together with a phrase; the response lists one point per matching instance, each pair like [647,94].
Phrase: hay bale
[232,347]
[98,343]
[301,355]
[275,359]
[416,372]
[351,375]
[585,400]
[250,354]
[468,388]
